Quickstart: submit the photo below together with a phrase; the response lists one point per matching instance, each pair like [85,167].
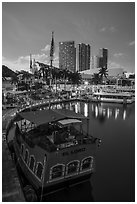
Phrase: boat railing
[55,140]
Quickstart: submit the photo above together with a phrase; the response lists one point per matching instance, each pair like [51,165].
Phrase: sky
[27,27]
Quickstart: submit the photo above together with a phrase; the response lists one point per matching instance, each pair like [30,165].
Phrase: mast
[51,57]
[31,70]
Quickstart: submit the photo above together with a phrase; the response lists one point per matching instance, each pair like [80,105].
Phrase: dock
[11,188]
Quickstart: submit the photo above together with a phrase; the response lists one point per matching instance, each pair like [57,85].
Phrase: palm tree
[96,78]
[64,75]
[75,78]
[103,73]
[44,71]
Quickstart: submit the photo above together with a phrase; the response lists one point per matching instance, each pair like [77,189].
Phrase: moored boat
[52,148]
[119,97]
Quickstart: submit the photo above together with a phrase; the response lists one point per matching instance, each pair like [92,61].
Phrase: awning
[45,116]
[69,121]
[70,114]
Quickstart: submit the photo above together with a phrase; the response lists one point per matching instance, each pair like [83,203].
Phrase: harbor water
[114,179]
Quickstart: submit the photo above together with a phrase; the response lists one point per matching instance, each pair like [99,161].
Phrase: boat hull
[113,98]
[65,180]
[116,101]
[53,188]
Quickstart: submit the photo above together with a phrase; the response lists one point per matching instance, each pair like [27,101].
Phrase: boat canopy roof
[69,121]
[46,116]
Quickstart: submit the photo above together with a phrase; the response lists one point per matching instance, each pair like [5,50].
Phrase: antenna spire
[52,46]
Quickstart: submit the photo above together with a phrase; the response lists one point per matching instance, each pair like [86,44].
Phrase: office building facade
[94,62]
[83,57]
[67,55]
[103,57]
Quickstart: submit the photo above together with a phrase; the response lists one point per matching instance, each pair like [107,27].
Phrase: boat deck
[47,141]
[11,189]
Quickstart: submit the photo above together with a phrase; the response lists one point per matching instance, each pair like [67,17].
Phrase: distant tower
[83,57]
[94,62]
[67,55]
[31,63]
[103,57]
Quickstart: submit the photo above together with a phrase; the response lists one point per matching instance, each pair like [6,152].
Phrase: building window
[26,156]
[57,171]
[39,170]
[87,163]
[32,163]
[72,167]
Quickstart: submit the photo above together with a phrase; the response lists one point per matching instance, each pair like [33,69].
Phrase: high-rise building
[67,55]
[83,57]
[94,62]
[103,57]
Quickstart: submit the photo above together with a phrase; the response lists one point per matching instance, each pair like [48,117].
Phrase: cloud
[120,54]
[112,64]
[23,62]
[47,48]
[103,29]
[112,29]
[108,29]
[16,64]
[132,43]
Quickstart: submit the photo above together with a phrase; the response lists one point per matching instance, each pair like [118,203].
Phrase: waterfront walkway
[11,189]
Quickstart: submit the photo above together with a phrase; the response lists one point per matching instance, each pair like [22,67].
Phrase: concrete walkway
[11,189]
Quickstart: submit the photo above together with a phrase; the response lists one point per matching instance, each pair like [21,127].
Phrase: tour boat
[52,147]
[119,97]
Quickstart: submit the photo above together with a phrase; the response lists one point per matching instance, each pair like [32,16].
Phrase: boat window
[39,170]
[87,163]
[22,149]
[26,156]
[72,167]
[57,171]
[32,163]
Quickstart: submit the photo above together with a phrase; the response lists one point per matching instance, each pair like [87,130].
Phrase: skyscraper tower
[103,57]
[67,55]
[83,57]
[94,62]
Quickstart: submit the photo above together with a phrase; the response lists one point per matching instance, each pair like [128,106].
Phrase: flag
[30,63]
[52,46]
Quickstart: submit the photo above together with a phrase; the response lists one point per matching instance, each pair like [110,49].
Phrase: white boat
[120,97]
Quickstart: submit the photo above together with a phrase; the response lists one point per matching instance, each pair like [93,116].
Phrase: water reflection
[86,110]
[118,142]
[103,111]
[79,193]
[100,111]
[124,115]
